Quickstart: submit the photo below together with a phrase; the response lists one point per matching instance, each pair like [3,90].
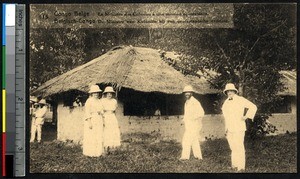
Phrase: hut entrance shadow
[49,132]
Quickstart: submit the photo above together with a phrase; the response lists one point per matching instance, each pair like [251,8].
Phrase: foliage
[276,154]
[54,52]
[250,55]
[260,126]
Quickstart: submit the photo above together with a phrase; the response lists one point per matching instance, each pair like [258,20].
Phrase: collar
[234,97]
[190,100]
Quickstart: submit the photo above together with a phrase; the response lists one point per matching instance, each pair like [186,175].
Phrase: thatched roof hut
[141,69]
[148,83]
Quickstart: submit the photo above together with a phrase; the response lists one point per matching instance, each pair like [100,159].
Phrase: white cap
[230,86]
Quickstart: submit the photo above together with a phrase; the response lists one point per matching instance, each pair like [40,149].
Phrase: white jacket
[233,111]
[192,109]
[40,115]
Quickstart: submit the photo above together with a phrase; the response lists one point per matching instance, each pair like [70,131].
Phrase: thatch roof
[289,79]
[137,68]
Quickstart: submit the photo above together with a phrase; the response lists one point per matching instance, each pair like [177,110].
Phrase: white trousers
[190,141]
[236,144]
[36,128]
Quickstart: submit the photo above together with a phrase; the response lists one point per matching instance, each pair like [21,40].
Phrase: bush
[260,126]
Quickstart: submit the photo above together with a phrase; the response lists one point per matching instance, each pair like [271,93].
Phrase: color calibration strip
[13,90]
[8,89]
[3,93]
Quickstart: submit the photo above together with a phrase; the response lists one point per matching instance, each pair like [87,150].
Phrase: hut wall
[70,125]
[171,128]
[284,122]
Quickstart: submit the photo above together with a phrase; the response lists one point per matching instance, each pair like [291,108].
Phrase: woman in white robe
[92,144]
[112,136]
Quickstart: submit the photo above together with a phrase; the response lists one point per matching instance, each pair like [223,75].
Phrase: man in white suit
[38,121]
[193,113]
[235,125]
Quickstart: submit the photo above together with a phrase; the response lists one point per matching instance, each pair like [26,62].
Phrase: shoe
[235,169]
[199,158]
[240,170]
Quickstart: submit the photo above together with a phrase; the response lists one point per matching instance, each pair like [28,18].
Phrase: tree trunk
[241,82]
[241,89]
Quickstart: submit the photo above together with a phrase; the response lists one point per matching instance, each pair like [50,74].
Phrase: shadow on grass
[145,153]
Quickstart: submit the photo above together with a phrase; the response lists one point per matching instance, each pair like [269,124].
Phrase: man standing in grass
[193,113]
[235,126]
[38,121]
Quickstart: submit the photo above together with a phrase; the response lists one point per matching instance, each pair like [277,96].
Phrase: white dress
[112,136]
[92,143]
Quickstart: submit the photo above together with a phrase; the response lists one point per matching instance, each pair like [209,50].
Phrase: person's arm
[88,114]
[199,112]
[115,104]
[225,114]
[251,109]
[101,108]
[87,109]
[45,110]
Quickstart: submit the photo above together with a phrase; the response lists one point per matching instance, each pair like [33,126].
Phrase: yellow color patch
[3,110]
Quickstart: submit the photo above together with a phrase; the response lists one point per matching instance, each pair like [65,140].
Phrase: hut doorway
[138,103]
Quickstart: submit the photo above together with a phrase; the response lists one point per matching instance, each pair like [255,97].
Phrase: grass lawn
[144,153]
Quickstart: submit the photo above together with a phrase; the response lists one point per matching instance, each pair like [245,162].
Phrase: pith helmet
[109,89]
[188,88]
[42,101]
[230,86]
[95,89]
[33,99]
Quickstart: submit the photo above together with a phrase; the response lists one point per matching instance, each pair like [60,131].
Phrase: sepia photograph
[163,88]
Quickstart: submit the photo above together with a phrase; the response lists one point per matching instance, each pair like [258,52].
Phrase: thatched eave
[137,68]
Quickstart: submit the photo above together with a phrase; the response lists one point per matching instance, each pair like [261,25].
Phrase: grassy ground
[144,153]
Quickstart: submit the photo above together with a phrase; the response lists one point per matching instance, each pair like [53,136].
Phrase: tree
[250,55]
[54,52]
[261,44]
